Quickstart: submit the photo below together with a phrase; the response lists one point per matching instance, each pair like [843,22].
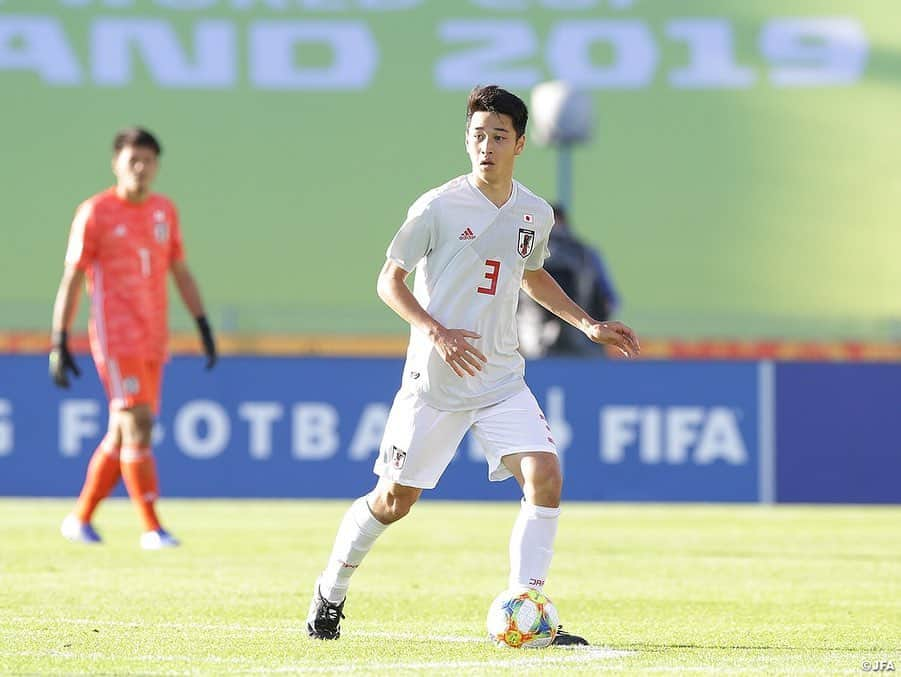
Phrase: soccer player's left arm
[544,289]
[190,295]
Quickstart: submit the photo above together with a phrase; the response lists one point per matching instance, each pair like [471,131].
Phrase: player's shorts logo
[526,242]
[398,457]
[131,385]
[161,231]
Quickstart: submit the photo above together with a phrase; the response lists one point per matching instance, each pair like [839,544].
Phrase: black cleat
[324,617]
[564,638]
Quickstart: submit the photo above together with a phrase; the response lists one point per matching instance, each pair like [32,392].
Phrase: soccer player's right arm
[413,241]
[460,355]
[61,360]
[66,304]
[79,254]
[393,290]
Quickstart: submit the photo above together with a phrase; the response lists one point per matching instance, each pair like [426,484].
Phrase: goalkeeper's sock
[139,472]
[100,479]
[532,545]
[356,536]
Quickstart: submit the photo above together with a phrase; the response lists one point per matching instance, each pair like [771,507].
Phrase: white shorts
[420,441]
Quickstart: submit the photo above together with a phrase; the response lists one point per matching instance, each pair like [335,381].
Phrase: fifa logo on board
[672,435]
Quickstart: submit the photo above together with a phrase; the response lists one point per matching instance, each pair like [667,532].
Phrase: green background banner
[743,178]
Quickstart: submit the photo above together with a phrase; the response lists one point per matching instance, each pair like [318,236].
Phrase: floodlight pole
[564,175]
[563,118]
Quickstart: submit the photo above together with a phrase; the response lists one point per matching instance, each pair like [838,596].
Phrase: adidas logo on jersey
[467,234]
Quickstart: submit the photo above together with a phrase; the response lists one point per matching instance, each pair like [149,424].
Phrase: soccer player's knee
[113,437]
[400,503]
[136,425]
[549,489]
[555,483]
[546,482]
[394,502]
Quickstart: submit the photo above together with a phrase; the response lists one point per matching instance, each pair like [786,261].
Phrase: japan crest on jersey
[526,242]
[161,231]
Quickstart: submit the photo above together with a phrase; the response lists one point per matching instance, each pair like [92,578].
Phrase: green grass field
[660,588]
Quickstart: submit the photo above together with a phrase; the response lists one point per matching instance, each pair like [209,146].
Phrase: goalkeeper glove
[61,360]
[209,345]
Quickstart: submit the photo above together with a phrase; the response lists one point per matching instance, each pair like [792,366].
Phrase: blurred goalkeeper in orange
[124,241]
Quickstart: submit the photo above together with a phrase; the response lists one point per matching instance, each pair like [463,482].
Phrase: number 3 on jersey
[491,276]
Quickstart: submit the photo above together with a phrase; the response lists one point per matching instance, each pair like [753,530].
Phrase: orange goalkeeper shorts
[130,381]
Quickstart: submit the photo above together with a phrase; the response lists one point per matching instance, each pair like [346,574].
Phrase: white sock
[532,545]
[355,538]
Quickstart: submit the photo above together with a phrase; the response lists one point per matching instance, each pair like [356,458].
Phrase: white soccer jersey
[469,257]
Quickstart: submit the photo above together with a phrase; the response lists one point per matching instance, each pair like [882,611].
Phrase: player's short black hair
[136,136]
[493,99]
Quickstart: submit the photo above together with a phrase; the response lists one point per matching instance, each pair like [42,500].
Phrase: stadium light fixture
[562,116]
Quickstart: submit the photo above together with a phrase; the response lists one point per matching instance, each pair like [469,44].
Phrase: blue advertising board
[839,433]
[311,427]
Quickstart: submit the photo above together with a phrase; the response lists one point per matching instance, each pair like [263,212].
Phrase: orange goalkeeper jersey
[126,250]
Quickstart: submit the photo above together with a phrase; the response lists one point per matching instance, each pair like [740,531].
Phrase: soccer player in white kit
[474,242]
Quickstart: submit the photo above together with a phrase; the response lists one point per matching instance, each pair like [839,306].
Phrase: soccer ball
[522,619]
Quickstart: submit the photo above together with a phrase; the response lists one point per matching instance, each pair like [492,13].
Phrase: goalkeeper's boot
[565,638]
[79,532]
[324,617]
[158,540]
